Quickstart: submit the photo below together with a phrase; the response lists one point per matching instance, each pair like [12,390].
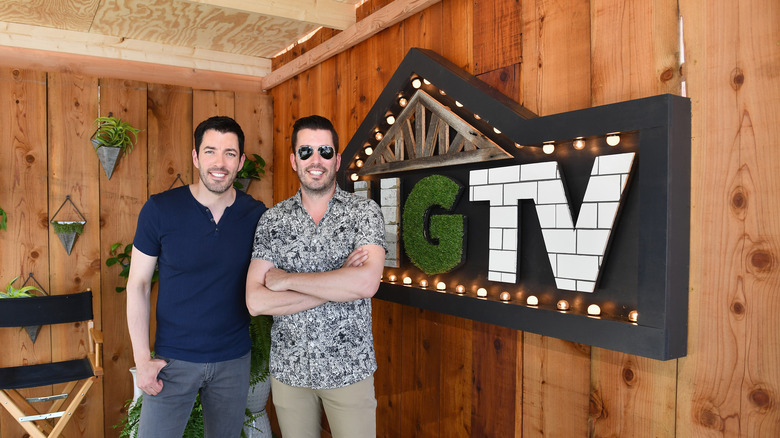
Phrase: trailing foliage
[24,292]
[3,219]
[260,333]
[113,132]
[123,259]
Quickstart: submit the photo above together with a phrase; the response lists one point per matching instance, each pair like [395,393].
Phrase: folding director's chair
[53,309]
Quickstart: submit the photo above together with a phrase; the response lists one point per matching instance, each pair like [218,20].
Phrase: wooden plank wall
[441,376]
[46,120]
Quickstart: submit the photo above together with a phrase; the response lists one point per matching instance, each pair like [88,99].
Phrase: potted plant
[68,231]
[113,135]
[253,168]
[23,292]
[3,219]
[256,423]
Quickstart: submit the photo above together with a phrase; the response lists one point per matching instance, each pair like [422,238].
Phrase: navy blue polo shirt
[201,306]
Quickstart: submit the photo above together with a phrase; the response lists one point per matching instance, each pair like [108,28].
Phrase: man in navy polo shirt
[200,237]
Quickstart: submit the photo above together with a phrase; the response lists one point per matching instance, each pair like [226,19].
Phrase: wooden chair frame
[19,312]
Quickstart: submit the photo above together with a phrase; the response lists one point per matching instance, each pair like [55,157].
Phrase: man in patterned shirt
[317,261]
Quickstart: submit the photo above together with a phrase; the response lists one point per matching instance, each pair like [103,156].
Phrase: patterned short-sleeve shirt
[331,345]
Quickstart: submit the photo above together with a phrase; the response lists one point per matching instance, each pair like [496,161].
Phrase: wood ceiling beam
[86,44]
[380,20]
[329,13]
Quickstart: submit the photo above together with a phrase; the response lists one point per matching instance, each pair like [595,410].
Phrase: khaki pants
[351,410]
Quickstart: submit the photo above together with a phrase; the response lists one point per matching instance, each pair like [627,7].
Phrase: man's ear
[195,159]
[292,162]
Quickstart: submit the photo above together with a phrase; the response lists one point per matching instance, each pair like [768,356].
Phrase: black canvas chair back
[55,309]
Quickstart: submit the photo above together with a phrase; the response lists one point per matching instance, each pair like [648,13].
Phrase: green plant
[113,132]
[254,167]
[24,292]
[3,219]
[129,429]
[66,227]
[260,334]
[123,259]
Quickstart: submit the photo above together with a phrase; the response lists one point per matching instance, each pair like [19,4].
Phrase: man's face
[316,173]
[218,161]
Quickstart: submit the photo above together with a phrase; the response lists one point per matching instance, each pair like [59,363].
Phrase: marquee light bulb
[594,310]
[354,177]
[460,289]
[532,300]
[579,143]
[392,278]
[562,305]
[613,139]
[407,280]
[633,316]
[482,292]
[359,163]
[441,285]
[416,83]
[423,283]
[548,148]
[368,150]
[378,135]
[402,101]
[390,120]
[505,296]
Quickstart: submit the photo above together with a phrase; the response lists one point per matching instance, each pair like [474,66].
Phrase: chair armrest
[96,348]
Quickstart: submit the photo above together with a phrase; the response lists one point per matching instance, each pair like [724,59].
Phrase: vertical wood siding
[46,121]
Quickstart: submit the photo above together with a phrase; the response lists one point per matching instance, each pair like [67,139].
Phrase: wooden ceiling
[227,36]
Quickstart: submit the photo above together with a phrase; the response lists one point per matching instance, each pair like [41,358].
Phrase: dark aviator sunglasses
[326,152]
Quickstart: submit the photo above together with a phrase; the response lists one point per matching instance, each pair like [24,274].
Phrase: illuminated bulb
[392,278]
[427,82]
[458,104]
[416,83]
[548,148]
[476,116]
[407,280]
[562,305]
[482,292]
[532,300]
[460,289]
[402,101]
[594,310]
[441,285]
[368,150]
[613,139]
[359,163]
[354,177]
[505,296]
[390,120]
[496,130]
[519,146]
[378,135]
[423,283]
[579,143]
[633,316]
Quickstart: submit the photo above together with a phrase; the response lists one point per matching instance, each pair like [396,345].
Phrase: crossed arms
[272,291]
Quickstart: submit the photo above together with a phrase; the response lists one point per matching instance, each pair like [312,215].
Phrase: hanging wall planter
[252,169]
[25,291]
[68,230]
[111,138]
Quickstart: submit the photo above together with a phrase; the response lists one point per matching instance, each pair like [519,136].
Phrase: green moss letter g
[434,243]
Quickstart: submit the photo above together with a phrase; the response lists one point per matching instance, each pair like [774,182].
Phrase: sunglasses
[326,152]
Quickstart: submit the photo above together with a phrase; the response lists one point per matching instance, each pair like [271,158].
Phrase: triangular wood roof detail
[420,138]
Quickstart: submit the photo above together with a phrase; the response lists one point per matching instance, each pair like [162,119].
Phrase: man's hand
[356,258]
[146,376]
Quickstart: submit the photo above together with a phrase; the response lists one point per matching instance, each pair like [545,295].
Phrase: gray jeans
[223,390]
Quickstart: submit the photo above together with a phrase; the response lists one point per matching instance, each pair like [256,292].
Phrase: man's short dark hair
[317,123]
[221,124]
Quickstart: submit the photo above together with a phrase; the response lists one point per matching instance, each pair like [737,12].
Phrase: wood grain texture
[496,34]
[728,385]
[254,112]
[73,171]
[634,54]
[121,199]
[170,127]
[23,196]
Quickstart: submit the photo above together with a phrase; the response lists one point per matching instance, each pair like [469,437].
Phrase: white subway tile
[504,261]
[551,192]
[560,241]
[539,171]
[603,188]
[503,217]
[492,193]
[578,267]
[477,177]
[592,242]
[514,192]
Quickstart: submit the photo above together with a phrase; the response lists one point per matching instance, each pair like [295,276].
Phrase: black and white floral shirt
[331,345]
